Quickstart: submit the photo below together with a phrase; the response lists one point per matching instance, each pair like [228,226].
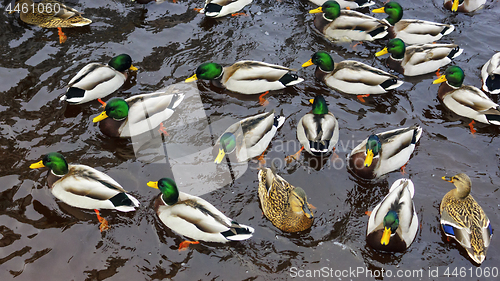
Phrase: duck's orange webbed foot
[62,36]
[262,100]
[361,97]
[471,126]
[261,159]
[104,223]
[355,45]
[238,14]
[101,102]
[438,73]
[295,156]
[185,245]
[163,130]
[403,171]
[198,9]
[368,213]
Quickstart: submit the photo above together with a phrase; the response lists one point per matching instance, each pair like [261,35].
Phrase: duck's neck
[52,178]
[445,88]
[320,22]
[111,127]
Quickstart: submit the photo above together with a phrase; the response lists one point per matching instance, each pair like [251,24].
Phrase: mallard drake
[463,6]
[384,152]
[138,114]
[490,74]
[463,219]
[418,59]
[59,16]
[349,4]
[283,204]
[248,138]
[97,80]
[84,187]
[220,8]
[352,77]
[318,130]
[194,217]
[247,77]
[467,101]
[412,31]
[347,25]
[393,224]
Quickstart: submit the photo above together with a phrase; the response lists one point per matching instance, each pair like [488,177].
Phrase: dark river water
[42,238]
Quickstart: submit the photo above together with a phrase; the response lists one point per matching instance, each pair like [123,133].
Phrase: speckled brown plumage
[66,17]
[278,198]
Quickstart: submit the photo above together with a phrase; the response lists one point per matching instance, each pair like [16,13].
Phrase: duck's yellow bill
[37,165]
[308,63]
[386,236]
[315,11]
[133,68]
[381,53]
[220,156]
[191,79]
[369,158]
[311,100]
[153,184]
[101,117]
[448,179]
[441,79]
[454,7]
[379,10]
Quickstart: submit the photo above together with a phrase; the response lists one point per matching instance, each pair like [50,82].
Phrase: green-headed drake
[220,8]
[384,152]
[412,31]
[138,114]
[283,204]
[490,74]
[464,6]
[247,138]
[346,25]
[393,224]
[194,217]
[418,59]
[96,80]
[352,77]
[463,219]
[467,101]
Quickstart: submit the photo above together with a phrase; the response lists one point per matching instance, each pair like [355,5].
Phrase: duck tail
[492,84]
[290,79]
[390,84]
[238,232]
[417,133]
[493,119]
[81,22]
[455,52]
[74,95]
[379,32]
[447,30]
[364,3]
[176,100]
[278,121]
[124,202]
[319,147]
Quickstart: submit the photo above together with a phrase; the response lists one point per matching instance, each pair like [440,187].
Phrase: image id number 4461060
[470,272]
[49,8]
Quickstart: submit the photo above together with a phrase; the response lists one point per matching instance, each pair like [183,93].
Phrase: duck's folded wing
[420,27]
[474,98]
[419,54]
[356,72]
[454,225]
[92,75]
[253,70]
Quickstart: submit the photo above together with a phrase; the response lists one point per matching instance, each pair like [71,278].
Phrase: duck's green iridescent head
[393,10]
[373,146]
[323,60]
[227,145]
[116,108]
[55,162]
[455,76]
[330,9]
[319,105]
[396,47]
[391,224]
[168,188]
[121,63]
[207,71]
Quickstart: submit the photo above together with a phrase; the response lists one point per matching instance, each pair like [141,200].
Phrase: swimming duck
[352,77]
[220,8]
[59,16]
[349,4]
[84,187]
[347,25]
[463,219]
[490,74]
[248,138]
[194,217]
[463,6]
[412,31]
[138,114]
[418,59]
[384,152]
[283,204]
[97,80]
[393,224]
[467,101]
[247,77]
[318,130]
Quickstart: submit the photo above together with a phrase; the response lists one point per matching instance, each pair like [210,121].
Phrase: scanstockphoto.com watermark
[363,273]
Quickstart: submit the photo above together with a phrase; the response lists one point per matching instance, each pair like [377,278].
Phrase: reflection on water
[41,237]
